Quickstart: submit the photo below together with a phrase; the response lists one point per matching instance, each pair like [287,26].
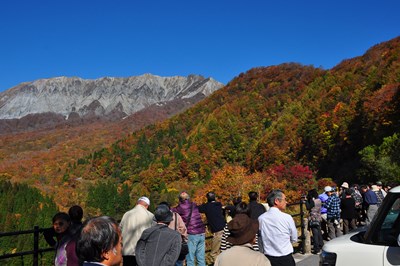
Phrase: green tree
[381,162]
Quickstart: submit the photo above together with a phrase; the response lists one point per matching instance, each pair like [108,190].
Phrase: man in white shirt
[278,231]
[132,225]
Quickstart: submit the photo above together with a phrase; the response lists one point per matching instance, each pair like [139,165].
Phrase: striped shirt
[227,245]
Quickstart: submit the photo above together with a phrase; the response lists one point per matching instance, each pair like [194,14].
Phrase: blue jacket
[370,198]
[323,197]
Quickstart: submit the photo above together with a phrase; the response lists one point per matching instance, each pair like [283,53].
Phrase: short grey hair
[273,195]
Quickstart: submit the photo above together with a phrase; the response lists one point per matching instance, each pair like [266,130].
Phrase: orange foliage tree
[233,181]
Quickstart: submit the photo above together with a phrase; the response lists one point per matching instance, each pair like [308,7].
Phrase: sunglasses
[59,223]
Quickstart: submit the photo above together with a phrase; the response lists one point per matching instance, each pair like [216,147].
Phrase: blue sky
[220,39]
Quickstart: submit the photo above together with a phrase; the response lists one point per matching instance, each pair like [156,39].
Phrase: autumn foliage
[289,126]
[236,181]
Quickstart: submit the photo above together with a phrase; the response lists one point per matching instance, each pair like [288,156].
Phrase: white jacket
[132,225]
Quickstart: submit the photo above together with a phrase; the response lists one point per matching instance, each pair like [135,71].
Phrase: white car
[374,245]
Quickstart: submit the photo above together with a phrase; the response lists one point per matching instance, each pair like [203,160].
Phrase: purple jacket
[196,225]
[323,197]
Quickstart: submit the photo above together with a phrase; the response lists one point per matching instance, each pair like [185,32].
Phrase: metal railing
[36,251]
[301,225]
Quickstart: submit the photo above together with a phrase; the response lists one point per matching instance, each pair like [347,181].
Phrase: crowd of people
[244,233]
[335,212]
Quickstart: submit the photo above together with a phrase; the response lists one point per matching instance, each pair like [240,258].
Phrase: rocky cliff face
[106,97]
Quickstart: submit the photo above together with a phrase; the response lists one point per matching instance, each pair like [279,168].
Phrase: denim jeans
[197,249]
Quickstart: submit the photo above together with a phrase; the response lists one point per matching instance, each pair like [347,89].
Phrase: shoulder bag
[184,246]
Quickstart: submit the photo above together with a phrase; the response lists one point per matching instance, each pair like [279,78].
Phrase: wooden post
[302,237]
[307,238]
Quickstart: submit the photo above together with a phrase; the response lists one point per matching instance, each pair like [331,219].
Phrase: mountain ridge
[125,96]
[265,119]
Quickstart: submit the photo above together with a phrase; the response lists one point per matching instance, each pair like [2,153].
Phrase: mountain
[50,102]
[275,122]
[288,126]
[38,146]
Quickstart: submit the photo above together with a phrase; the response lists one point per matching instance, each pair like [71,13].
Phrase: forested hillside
[280,126]
[23,207]
[288,126]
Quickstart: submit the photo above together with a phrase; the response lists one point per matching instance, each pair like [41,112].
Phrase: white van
[374,245]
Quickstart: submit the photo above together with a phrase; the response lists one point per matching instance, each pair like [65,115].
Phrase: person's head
[242,230]
[162,214]
[76,213]
[276,198]
[329,190]
[100,241]
[348,192]
[344,186]
[237,200]
[253,196]
[144,201]
[210,196]
[312,194]
[183,196]
[61,222]
[364,188]
[165,203]
[355,186]
[379,184]
[242,208]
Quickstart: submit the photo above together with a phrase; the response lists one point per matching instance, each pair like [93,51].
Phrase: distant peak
[62,95]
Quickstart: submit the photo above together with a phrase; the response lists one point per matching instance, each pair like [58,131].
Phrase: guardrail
[36,250]
[39,251]
[301,225]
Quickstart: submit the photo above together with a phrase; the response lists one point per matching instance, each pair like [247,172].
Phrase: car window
[389,229]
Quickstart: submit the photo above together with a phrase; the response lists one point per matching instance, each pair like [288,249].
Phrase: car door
[387,231]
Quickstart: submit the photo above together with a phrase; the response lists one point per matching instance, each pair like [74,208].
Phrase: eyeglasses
[59,223]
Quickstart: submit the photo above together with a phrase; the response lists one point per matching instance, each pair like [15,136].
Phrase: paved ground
[306,259]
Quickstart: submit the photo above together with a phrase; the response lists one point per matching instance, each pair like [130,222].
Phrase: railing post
[303,237]
[36,246]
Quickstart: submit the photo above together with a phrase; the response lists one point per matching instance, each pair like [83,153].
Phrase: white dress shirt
[278,232]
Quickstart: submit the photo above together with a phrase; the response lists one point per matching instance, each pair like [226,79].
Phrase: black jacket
[256,209]
[214,213]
